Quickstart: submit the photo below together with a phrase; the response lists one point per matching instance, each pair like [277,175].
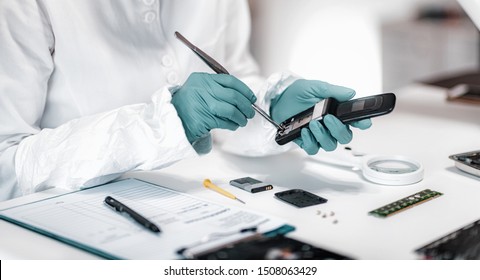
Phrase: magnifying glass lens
[393,166]
[392,170]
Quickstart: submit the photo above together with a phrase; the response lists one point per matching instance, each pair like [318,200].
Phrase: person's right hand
[208,101]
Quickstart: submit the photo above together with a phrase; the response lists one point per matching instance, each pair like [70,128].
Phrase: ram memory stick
[405,203]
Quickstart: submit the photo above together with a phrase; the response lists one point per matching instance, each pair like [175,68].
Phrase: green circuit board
[405,203]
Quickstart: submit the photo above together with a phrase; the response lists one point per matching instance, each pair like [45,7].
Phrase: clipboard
[82,220]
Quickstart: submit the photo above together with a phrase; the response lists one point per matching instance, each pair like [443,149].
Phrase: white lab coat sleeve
[258,137]
[82,152]
[96,149]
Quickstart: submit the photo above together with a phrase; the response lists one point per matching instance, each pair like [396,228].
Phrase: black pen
[122,208]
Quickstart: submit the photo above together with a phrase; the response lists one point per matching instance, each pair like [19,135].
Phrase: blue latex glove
[208,101]
[303,94]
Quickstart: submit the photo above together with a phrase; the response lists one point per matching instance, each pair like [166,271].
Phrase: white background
[332,40]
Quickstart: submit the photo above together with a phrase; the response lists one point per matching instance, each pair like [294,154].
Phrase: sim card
[251,185]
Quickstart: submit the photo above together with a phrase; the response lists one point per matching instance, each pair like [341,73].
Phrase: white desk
[423,126]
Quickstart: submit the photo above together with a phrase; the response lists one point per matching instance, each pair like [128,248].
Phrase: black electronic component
[462,244]
[251,185]
[273,248]
[300,198]
[405,203]
[348,111]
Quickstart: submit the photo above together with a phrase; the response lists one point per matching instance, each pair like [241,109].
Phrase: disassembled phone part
[251,185]
[405,203]
[462,244]
[468,162]
[300,198]
[348,111]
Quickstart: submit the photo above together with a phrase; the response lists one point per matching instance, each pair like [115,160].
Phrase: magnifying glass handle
[340,159]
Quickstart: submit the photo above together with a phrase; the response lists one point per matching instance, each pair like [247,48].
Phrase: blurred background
[372,46]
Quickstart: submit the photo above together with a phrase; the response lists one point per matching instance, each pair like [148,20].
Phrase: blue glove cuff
[203,145]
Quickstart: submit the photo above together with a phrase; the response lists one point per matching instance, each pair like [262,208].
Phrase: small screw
[335,221]
[319,212]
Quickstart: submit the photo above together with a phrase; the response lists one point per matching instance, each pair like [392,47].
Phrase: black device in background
[348,111]
[465,93]
[461,87]
[300,198]
[462,244]
[271,248]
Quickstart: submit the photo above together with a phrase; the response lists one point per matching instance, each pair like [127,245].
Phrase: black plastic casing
[300,198]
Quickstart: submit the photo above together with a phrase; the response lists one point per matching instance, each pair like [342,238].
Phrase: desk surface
[423,126]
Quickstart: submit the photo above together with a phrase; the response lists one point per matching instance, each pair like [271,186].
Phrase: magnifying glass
[389,170]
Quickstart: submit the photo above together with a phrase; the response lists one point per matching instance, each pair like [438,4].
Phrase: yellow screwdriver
[209,185]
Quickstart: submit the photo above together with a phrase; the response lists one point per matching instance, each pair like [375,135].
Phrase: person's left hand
[303,94]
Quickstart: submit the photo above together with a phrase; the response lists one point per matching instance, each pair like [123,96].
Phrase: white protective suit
[85,87]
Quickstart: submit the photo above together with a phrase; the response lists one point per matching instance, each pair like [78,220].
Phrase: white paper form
[81,218]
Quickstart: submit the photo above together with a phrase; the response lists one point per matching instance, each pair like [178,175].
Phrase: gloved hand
[208,101]
[303,94]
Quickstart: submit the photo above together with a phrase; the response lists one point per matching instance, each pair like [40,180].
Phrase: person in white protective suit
[91,89]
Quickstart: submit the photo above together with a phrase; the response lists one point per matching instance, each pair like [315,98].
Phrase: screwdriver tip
[240,200]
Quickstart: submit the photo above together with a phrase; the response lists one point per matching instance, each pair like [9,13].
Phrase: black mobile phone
[348,111]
